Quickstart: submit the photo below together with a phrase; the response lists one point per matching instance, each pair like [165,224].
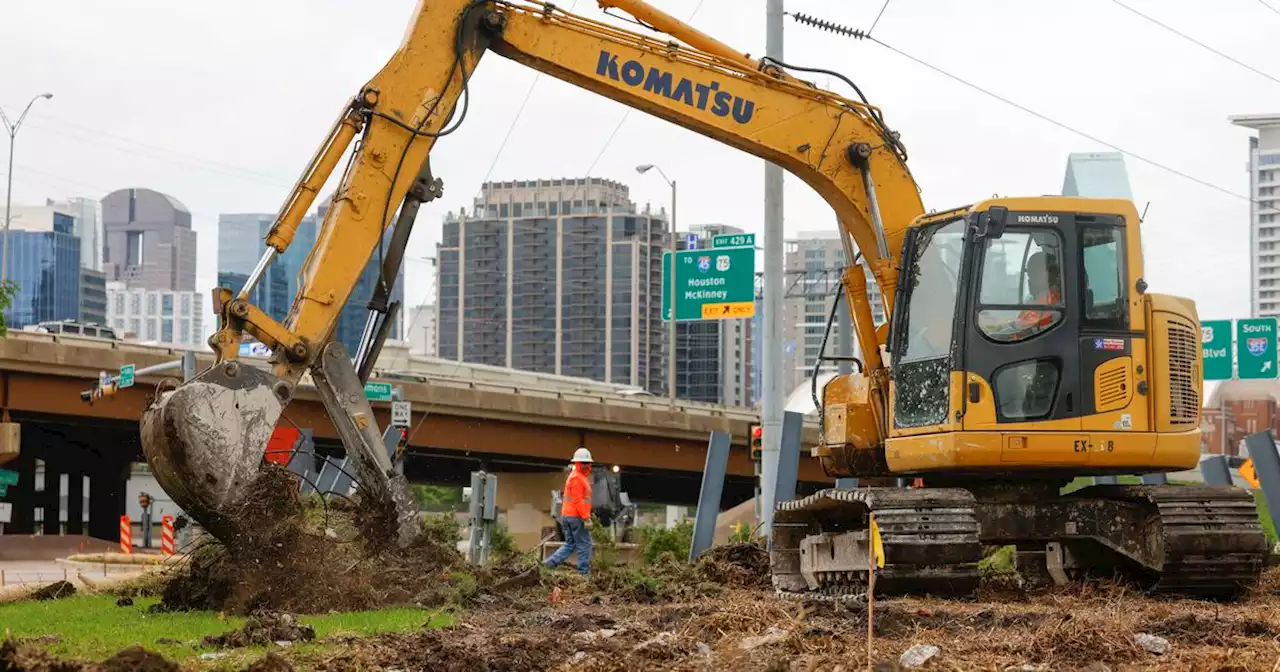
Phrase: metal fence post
[704,521]
[789,457]
[1215,471]
[1266,464]
[482,513]
[188,365]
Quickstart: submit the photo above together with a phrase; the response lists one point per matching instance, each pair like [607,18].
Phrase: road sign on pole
[401,413]
[126,376]
[1256,348]
[1215,349]
[711,284]
[734,240]
[8,477]
[377,391]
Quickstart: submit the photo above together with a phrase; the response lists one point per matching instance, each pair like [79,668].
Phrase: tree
[8,290]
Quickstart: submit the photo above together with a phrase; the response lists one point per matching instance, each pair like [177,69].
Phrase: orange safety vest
[1040,318]
[577,495]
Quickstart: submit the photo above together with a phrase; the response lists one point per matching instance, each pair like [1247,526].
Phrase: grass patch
[92,628]
[1264,517]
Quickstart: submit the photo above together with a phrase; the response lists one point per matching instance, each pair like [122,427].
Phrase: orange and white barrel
[166,535]
[126,535]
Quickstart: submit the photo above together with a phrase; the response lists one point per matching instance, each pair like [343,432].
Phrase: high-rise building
[813,264]
[44,263]
[1096,175]
[93,295]
[172,318]
[149,243]
[88,228]
[558,276]
[420,329]
[713,357]
[241,243]
[1264,212]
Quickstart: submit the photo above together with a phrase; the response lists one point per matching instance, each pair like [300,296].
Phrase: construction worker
[1043,281]
[575,514]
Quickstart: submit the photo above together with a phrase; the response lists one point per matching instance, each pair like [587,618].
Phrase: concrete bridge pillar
[525,498]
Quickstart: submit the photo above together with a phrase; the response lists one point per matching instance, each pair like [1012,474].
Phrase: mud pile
[133,659]
[310,557]
[264,628]
[741,565]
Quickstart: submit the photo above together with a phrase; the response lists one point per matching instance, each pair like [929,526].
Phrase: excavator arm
[205,439]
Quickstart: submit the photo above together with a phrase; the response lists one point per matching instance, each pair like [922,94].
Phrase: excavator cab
[1023,333]
[1025,351]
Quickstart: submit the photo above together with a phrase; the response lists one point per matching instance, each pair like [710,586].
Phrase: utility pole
[12,128]
[771,403]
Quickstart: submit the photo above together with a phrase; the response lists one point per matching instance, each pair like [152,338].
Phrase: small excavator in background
[1023,346]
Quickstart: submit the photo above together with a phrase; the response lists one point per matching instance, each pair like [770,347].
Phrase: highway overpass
[464,417]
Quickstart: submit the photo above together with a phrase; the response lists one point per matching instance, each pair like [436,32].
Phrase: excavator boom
[206,439]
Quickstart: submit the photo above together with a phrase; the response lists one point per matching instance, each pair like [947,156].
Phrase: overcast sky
[221,105]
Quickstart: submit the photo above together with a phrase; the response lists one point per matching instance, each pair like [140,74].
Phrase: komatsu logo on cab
[661,83]
[1037,219]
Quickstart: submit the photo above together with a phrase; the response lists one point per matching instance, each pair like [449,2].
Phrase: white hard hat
[582,455]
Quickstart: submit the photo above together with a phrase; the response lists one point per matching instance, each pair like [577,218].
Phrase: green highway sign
[377,391]
[4,490]
[8,477]
[126,376]
[1215,349]
[1256,348]
[711,284]
[734,240]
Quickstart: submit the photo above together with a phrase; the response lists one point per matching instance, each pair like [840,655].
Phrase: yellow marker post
[875,560]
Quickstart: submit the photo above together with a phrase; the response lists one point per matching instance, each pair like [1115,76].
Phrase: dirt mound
[264,628]
[1190,627]
[54,591]
[451,652]
[270,663]
[742,565]
[312,558]
[14,658]
[138,659]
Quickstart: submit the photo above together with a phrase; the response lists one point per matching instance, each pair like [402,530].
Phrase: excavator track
[1213,545]
[1194,541]
[929,536]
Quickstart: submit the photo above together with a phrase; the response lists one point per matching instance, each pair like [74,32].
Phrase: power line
[1057,123]
[98,137]
[1199,43]
[877,21]
[1264,4]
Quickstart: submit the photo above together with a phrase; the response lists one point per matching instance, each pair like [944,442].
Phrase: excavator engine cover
[205,441]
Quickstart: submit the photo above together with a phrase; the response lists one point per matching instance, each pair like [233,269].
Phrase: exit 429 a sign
[711,284]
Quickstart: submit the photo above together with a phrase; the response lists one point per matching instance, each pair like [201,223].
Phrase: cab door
[1021,347]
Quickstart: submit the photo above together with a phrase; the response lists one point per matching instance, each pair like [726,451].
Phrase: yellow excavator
[1023,348]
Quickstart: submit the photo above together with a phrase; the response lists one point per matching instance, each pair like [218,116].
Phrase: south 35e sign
[1254,351]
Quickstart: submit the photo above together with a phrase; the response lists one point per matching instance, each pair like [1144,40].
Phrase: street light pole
[671,322]
[12,128]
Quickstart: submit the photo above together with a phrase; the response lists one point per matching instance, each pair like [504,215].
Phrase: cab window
[1021,293]
[924,325]
[1105,302]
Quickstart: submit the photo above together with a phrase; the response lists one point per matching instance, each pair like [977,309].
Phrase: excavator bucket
[205,442]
